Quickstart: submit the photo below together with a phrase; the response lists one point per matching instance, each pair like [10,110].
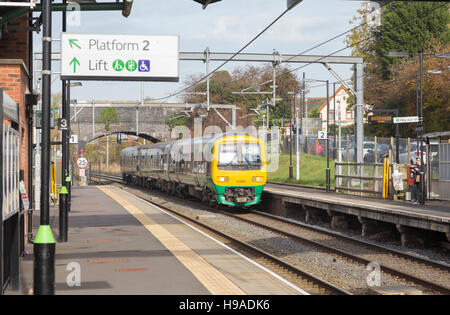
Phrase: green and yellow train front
[239,171]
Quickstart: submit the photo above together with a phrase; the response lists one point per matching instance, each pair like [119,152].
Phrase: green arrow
[75,62]
[72,43]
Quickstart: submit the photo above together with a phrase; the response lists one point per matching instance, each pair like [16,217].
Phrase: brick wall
[14,44]
[14,67]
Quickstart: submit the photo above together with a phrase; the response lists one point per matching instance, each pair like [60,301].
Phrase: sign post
[44,242]
[119,57]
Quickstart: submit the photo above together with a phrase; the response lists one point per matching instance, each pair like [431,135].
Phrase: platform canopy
[9,11]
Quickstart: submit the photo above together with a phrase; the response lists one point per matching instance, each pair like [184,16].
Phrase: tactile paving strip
[213,280]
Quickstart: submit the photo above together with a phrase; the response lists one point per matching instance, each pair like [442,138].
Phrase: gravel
[347,275]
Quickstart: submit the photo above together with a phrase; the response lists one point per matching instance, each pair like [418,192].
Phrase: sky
[224,26]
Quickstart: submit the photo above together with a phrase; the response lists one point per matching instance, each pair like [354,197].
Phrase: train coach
[225,169]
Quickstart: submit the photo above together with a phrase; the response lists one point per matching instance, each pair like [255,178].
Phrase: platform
[428,217]
[124,245]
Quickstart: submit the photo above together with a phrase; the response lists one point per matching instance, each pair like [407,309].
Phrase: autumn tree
[223,86]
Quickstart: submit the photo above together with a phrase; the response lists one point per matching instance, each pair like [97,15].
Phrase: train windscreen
[239,156]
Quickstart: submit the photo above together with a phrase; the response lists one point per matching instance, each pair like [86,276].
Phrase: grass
[312,170]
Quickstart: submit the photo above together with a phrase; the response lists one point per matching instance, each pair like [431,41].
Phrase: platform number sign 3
[322,135]
[82,162]
[62,124]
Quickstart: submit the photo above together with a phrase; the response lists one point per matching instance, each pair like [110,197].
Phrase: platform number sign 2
[82,162]
[322,135]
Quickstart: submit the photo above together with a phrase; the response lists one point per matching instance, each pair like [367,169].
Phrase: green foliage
[314,113]
[252,79]
[390,83]
[176,120]
[411,27]
[109,116]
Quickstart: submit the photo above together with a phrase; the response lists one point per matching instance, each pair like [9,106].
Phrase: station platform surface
[124,245]
[435,211]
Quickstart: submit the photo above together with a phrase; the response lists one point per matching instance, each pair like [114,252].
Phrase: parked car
[382,152]
[413,154]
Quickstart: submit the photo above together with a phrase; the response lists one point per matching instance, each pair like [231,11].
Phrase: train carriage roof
[202,140]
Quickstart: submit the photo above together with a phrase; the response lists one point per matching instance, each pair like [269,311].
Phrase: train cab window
[239,156]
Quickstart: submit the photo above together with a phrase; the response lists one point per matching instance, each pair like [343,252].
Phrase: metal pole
[44,243]
[137,108]
[422,125]
[68,177]
[63,200]
[334,117]
[359,102]
[30,133]
[328,142]
[297,142]
[208,100]
[93,119]
[274,78]
[291,136]
[107,151]
[417,113]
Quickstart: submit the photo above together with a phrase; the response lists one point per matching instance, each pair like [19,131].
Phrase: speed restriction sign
[82,162]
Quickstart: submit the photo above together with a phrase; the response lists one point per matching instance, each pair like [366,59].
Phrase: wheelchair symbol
[144,65]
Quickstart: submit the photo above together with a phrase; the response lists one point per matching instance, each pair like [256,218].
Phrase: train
[221,169]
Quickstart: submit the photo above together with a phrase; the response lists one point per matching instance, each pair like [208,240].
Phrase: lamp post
[421,123]
[44,244]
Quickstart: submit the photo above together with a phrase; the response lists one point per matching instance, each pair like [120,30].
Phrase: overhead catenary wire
[303,66]
[302,53]
[354,44]
[226,61]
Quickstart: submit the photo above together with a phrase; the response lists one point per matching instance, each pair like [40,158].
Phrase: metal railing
[364,179]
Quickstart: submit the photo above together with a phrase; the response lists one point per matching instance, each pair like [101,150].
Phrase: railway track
[303,279]
[281,226]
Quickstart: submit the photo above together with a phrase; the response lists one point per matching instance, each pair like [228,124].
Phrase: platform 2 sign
[119,57]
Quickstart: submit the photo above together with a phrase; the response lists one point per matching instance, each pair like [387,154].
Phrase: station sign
[73,139]
[405,120]
[119,57]
[322,135]
[380,119]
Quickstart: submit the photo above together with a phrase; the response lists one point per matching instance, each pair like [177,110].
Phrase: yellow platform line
[212,279]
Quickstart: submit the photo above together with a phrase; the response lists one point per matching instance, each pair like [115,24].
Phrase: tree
[405,26]
[109,116]
[250,78]
[400,92]
[411,27]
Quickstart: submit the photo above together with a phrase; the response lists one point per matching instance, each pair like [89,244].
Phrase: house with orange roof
[341,99]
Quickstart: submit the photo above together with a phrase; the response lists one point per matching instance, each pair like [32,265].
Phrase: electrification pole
[44,243]
[63,194]
[328,141]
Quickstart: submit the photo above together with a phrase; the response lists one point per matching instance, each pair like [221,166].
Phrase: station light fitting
[205,3]
[127,5]
[292,3]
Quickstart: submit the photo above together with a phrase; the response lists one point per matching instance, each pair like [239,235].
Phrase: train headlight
[223,179]
[257,179]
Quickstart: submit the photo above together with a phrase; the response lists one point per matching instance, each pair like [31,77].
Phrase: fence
[364,179]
